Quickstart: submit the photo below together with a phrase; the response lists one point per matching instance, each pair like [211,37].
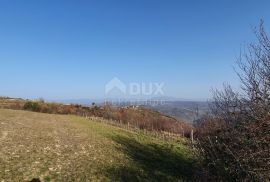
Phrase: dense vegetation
[235,139]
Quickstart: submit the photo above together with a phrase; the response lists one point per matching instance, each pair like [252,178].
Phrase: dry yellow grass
[70,148]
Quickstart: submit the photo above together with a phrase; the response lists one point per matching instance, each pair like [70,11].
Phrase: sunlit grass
[71,148]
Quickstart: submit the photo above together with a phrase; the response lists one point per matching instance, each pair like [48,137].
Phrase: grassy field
[69,148]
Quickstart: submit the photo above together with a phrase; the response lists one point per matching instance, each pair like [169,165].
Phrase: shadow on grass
[151,162]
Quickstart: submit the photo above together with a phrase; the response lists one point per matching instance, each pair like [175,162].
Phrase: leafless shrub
[235,140]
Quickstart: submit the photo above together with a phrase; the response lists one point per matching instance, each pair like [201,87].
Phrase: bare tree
[236,139]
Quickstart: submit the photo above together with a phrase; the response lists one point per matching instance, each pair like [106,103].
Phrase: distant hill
[185,110]
[182,109]
[142,117]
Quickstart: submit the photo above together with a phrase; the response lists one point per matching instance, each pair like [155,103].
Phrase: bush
[235,139]
[32,106]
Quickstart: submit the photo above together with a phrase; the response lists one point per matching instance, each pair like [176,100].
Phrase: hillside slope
[139,117]
[70,148]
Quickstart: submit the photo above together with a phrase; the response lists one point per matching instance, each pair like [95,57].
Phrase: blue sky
[71,49]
